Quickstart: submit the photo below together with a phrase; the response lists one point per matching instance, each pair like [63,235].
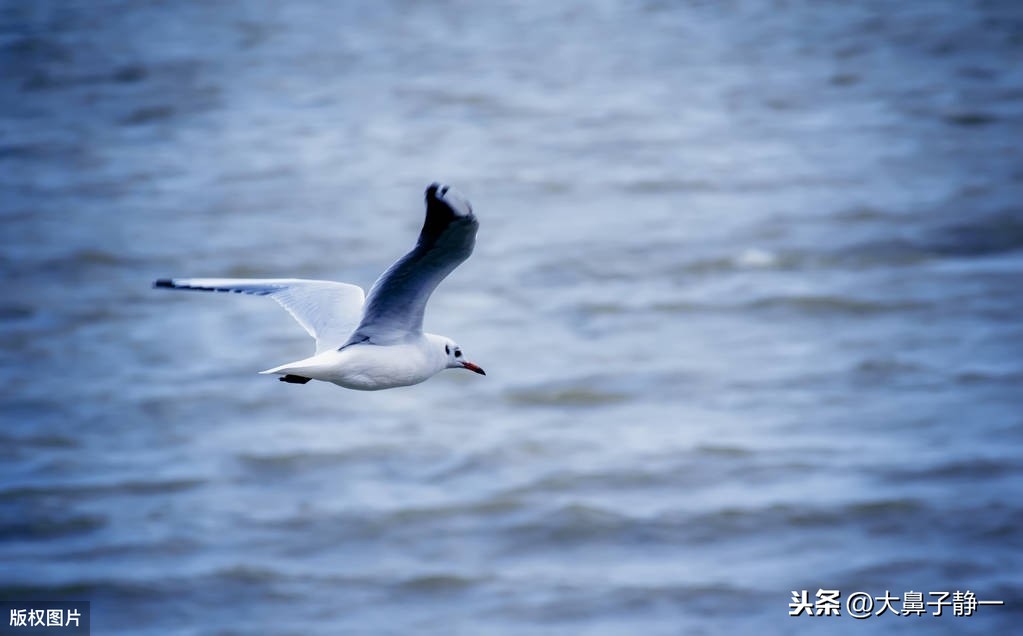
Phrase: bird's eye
[458,354]
[447,350]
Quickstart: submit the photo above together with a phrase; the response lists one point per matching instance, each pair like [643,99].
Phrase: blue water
[747,290]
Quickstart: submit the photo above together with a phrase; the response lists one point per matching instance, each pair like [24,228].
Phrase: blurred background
[747,290]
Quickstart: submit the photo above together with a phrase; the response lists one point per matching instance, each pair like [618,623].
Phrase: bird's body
[368,367]
[372,342]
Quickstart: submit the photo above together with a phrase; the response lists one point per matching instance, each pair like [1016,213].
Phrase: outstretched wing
[329,311]
[397,301]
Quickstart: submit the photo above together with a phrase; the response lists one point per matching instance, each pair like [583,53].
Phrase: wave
[48,526]
[959,469]
[812,305]
[77,490]
[579,396]
[828,304]
[299,460]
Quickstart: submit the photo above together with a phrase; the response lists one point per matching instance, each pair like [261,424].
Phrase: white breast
[372,367]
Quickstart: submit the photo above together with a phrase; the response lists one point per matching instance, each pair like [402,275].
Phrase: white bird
[379,344]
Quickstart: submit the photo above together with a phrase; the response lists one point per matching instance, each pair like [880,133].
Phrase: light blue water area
[747,290]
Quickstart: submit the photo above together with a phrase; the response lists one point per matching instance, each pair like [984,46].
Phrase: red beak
[474,368]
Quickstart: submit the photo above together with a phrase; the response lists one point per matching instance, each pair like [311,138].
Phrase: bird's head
[455,358]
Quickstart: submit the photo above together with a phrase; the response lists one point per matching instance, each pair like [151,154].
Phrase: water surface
[747,289]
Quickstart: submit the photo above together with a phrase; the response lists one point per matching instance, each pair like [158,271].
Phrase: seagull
[375,341]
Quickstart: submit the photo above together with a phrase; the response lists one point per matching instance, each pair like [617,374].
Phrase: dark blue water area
[747,287]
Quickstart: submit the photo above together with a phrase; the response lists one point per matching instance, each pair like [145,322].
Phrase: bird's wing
[396,303]
[329,311]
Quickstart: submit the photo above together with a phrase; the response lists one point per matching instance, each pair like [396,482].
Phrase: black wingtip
[436,190]
[443,197]
[163,282]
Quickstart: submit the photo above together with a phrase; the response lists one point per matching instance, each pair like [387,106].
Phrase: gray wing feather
[328,311]
[395,305]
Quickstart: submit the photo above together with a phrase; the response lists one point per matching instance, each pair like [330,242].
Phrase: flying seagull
[379,343]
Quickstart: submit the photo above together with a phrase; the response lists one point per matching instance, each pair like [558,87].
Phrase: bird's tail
[289,372]
[307,367]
